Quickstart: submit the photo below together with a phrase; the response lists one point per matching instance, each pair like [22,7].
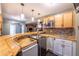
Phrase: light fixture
[39,19]
[32,15]
[22,14]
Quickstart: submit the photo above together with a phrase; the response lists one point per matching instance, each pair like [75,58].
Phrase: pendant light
[38,16]
[32,15]
[22,14]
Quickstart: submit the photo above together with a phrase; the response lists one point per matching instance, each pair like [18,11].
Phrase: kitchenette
[38,29]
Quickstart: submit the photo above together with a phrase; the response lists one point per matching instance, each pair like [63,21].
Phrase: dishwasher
[30,51]
[42,46]
[41,41]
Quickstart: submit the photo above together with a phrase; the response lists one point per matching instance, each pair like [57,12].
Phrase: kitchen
[39,29]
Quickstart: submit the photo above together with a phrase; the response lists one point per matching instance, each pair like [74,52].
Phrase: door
[58,21]
[68,19]
[12,29]
[58,49]
[18,28]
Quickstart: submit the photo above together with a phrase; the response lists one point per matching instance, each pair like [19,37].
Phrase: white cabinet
[61,46]
[50,44]
[64,47]
[74,48]
[58,49]
[67,48]
[67,51]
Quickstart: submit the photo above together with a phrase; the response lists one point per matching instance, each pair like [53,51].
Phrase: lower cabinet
[30,51]
[67,48]
[61,47]
[67,51]
[74,48]
[58,49]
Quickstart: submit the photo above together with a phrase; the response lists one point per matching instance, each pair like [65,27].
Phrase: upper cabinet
[58,21]
[0,24]
[68,19]
[0,21]
[63,20]
[0,18]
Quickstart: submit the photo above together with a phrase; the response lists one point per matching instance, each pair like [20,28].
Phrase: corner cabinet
[68,19]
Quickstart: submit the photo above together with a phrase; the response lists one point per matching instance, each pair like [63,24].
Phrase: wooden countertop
[71,38]
[31,33]
[26,42]
[10,47]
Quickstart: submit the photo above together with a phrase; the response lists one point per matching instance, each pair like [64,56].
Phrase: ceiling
[14,9]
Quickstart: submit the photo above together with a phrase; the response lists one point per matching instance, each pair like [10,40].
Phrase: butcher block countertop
[26,42]
[11,46]
[8,47]
[71,38]
[31,33]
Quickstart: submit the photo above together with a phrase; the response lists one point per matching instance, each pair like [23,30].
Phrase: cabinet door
[50,44]
[58,49]
[0,18]
[67,50]
[45,20]
[58,21]
[0,26]
[51,17]
[0,23]
[68,19]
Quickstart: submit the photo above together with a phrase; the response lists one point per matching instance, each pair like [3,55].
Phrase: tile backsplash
[68,31]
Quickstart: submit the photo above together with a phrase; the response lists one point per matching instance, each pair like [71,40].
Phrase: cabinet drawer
[68,43]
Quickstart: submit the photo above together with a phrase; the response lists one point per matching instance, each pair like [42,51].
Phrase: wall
[6,27]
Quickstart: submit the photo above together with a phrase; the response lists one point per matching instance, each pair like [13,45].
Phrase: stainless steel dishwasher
[42,46]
